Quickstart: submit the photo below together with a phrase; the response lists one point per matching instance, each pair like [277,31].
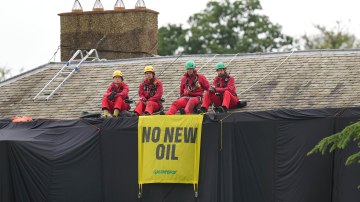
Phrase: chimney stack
[118,33]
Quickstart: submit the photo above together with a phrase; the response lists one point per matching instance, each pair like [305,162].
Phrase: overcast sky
[30,30]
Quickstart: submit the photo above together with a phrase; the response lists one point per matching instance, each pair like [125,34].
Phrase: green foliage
[225,27]
[339,141]
[170,39]
[336,38]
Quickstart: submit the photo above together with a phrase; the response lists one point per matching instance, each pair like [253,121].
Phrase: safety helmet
[190,65]
[220,65]
[117,73]
[149,69]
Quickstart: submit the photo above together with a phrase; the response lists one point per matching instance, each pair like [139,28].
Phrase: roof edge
[25,74]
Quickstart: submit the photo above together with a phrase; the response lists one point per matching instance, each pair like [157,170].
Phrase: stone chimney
[122,33]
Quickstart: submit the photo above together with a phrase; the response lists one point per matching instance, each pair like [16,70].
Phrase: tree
[170,38]
[336,38]
[4,72]
[339,141]
[226,27]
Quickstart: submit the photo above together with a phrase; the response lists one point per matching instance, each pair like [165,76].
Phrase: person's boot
[241,103]
[130,114]
[222,109]
[116,112]
[106,113]
[162,112]
[203,110]
[182,111]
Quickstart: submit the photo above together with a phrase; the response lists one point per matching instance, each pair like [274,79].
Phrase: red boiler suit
[150,93]
[118,102]
[225,93]
[191,91]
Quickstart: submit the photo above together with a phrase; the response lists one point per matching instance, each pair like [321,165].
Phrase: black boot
[222,109]
[203,110]
[129,114]
[182,111]
[241,103]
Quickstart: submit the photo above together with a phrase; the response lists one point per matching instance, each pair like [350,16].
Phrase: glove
[112,96]
[212,89]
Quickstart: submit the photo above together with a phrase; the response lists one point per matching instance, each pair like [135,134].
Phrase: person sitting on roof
[150,93]
[223,92]
[113,101]
[192,88]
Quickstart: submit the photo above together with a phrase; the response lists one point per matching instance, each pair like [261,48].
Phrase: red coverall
[190,93]
[224,95]
[150,94]
[122,90]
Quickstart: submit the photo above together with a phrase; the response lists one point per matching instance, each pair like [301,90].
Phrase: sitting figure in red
[150,93]
[113,101]
[192,87]
[223,92]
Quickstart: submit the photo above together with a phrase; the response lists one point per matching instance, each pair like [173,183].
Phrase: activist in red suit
[192,88]
[150,93]
[113,101]
[222,93]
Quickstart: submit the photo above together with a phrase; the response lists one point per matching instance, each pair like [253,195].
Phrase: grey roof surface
[299,80]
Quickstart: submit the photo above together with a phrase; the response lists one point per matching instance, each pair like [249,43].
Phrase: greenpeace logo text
[164,172]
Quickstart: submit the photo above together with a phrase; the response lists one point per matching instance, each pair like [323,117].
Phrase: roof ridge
[171,57]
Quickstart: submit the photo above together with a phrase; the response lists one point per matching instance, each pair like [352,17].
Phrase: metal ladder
[65,73]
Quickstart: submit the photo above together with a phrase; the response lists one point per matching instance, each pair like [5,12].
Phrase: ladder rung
[70,67]
[48,92]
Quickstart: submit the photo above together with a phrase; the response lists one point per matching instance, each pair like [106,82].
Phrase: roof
[298,80]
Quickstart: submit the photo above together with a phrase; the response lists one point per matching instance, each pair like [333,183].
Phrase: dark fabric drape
[5,186]
[264,157]
[245,157]
[247,161]
[346,178]
[119,152]
[298,177]
[53,161]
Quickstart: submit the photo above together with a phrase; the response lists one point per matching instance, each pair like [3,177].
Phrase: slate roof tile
[307,79]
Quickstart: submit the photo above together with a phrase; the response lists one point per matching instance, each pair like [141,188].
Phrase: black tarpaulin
[252,156]
[119,149]
[346,178]
[52,161]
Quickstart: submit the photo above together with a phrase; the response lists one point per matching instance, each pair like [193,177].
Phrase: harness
[193,84]
[227,78]
[151,87]
[114,92]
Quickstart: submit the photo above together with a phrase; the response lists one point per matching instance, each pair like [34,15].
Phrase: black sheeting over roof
[259,156]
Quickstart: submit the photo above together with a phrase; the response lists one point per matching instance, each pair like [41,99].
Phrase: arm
[204,85]
[124,93]
[230,86]
[141,92]
[182,86]
[108,91]
[159,92]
